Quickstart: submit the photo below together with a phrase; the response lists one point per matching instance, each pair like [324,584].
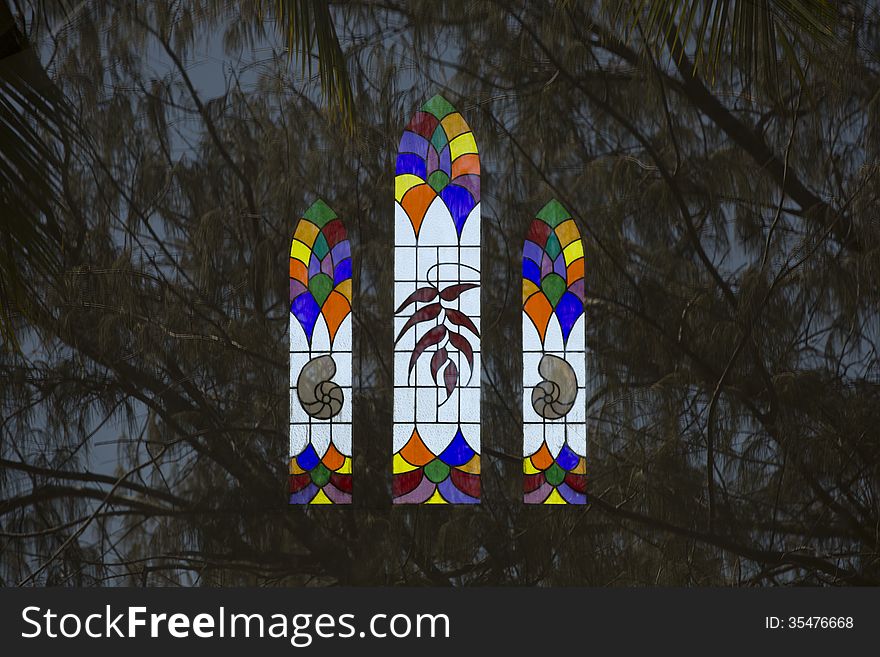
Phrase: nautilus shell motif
[554,397]
[554,360]
[320,359]
[319,395]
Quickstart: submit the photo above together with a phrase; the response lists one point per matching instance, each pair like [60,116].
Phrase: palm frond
[308,27]
[758,33]
[33,116]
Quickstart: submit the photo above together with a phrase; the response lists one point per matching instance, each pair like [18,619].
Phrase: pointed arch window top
[437,157]
[553,270]
[320,270]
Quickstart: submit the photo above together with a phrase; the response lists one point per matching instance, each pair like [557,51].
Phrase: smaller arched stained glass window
[320,359]
[554,360]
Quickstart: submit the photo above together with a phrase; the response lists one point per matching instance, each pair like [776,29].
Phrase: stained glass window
[554,360]
[437,319]
[320,359]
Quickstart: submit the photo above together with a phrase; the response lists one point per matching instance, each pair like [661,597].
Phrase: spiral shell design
[319,396]
[554,397]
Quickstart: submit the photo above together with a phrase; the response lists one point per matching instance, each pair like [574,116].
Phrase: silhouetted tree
[732,246]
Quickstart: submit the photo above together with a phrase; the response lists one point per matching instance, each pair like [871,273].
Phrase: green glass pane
[439,139]
[320,248]
[553,286]
[554,475]
[436,471]
[438,106]
[553,247]
[320,213]
[553,213]
[438,180]
[320,285]
[320,475]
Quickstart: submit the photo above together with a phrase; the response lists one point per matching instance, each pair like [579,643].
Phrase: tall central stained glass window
[437,318]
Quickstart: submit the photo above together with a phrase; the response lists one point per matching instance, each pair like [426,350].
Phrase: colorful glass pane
[437,318]
[554,360]
[320,359]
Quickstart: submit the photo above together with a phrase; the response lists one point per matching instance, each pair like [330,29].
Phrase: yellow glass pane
[454,125]
[300,251]
[400,465]
[306,232]
[320,498]
[567,232]
[472,466]
[436,498]
[555,498]
[573,251]
[403,183]
[462,145]
[344,288]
